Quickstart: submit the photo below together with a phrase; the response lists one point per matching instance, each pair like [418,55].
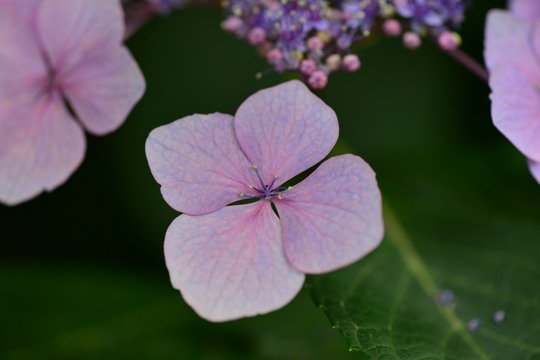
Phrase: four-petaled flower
[243,260]
[53,52]
[512,54]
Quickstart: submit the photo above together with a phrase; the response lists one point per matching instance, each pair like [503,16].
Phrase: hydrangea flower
[282,25]
[512,50]
[234,261]
[292,32]
[435,18]
[56,52]
[436,15]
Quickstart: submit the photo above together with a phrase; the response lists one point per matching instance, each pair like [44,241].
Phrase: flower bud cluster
[433,18]
[314,37]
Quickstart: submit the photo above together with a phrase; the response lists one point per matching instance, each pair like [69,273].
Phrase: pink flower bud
[411,40]
[315,43]
[333,62]
[232,24]
[392,27]
[318,80]
[351,63]
[449,41]
[256,36]
[274,5]
[274,56]
[308,66]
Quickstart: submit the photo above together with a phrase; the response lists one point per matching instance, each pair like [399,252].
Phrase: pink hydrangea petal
[99,76]
[40,147]
[535,169]
[71,30]
[40,144]
[26,9]
[285,130]
[199,163]
[230,264]
[103,88]
[333,217]
[516,107]
[526,9]
[19,50]
[535,40]
[509,41]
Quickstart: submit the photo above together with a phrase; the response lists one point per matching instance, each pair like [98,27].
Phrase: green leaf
[462,214]
[387,305]
[445,234]
[460,217]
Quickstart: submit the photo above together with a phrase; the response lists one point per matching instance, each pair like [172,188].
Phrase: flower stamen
[268,191]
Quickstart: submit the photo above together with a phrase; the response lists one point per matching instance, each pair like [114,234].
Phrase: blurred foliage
[82,271]
[82,311]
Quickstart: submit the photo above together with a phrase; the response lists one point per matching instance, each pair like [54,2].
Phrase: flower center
[52,82]
[264,191]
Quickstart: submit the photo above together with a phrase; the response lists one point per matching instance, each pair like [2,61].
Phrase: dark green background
[82,272]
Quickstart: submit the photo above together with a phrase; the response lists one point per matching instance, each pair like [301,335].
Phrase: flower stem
[468,62]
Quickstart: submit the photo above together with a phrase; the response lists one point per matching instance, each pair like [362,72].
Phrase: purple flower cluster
[314,37]
[309,36]
[432,17]
[435,14]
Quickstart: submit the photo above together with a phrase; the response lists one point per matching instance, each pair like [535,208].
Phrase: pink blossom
[411,40]
[525,9]
[333,62]
[391,27]
[234,261]
[56,51]
[308,66]
[512,50]
[318,80]
[449,41]
[315,43]
[351,63]
[256,36]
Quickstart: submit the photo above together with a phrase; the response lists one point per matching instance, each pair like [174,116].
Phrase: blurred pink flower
[56,52]
[512,54]
[242,260]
